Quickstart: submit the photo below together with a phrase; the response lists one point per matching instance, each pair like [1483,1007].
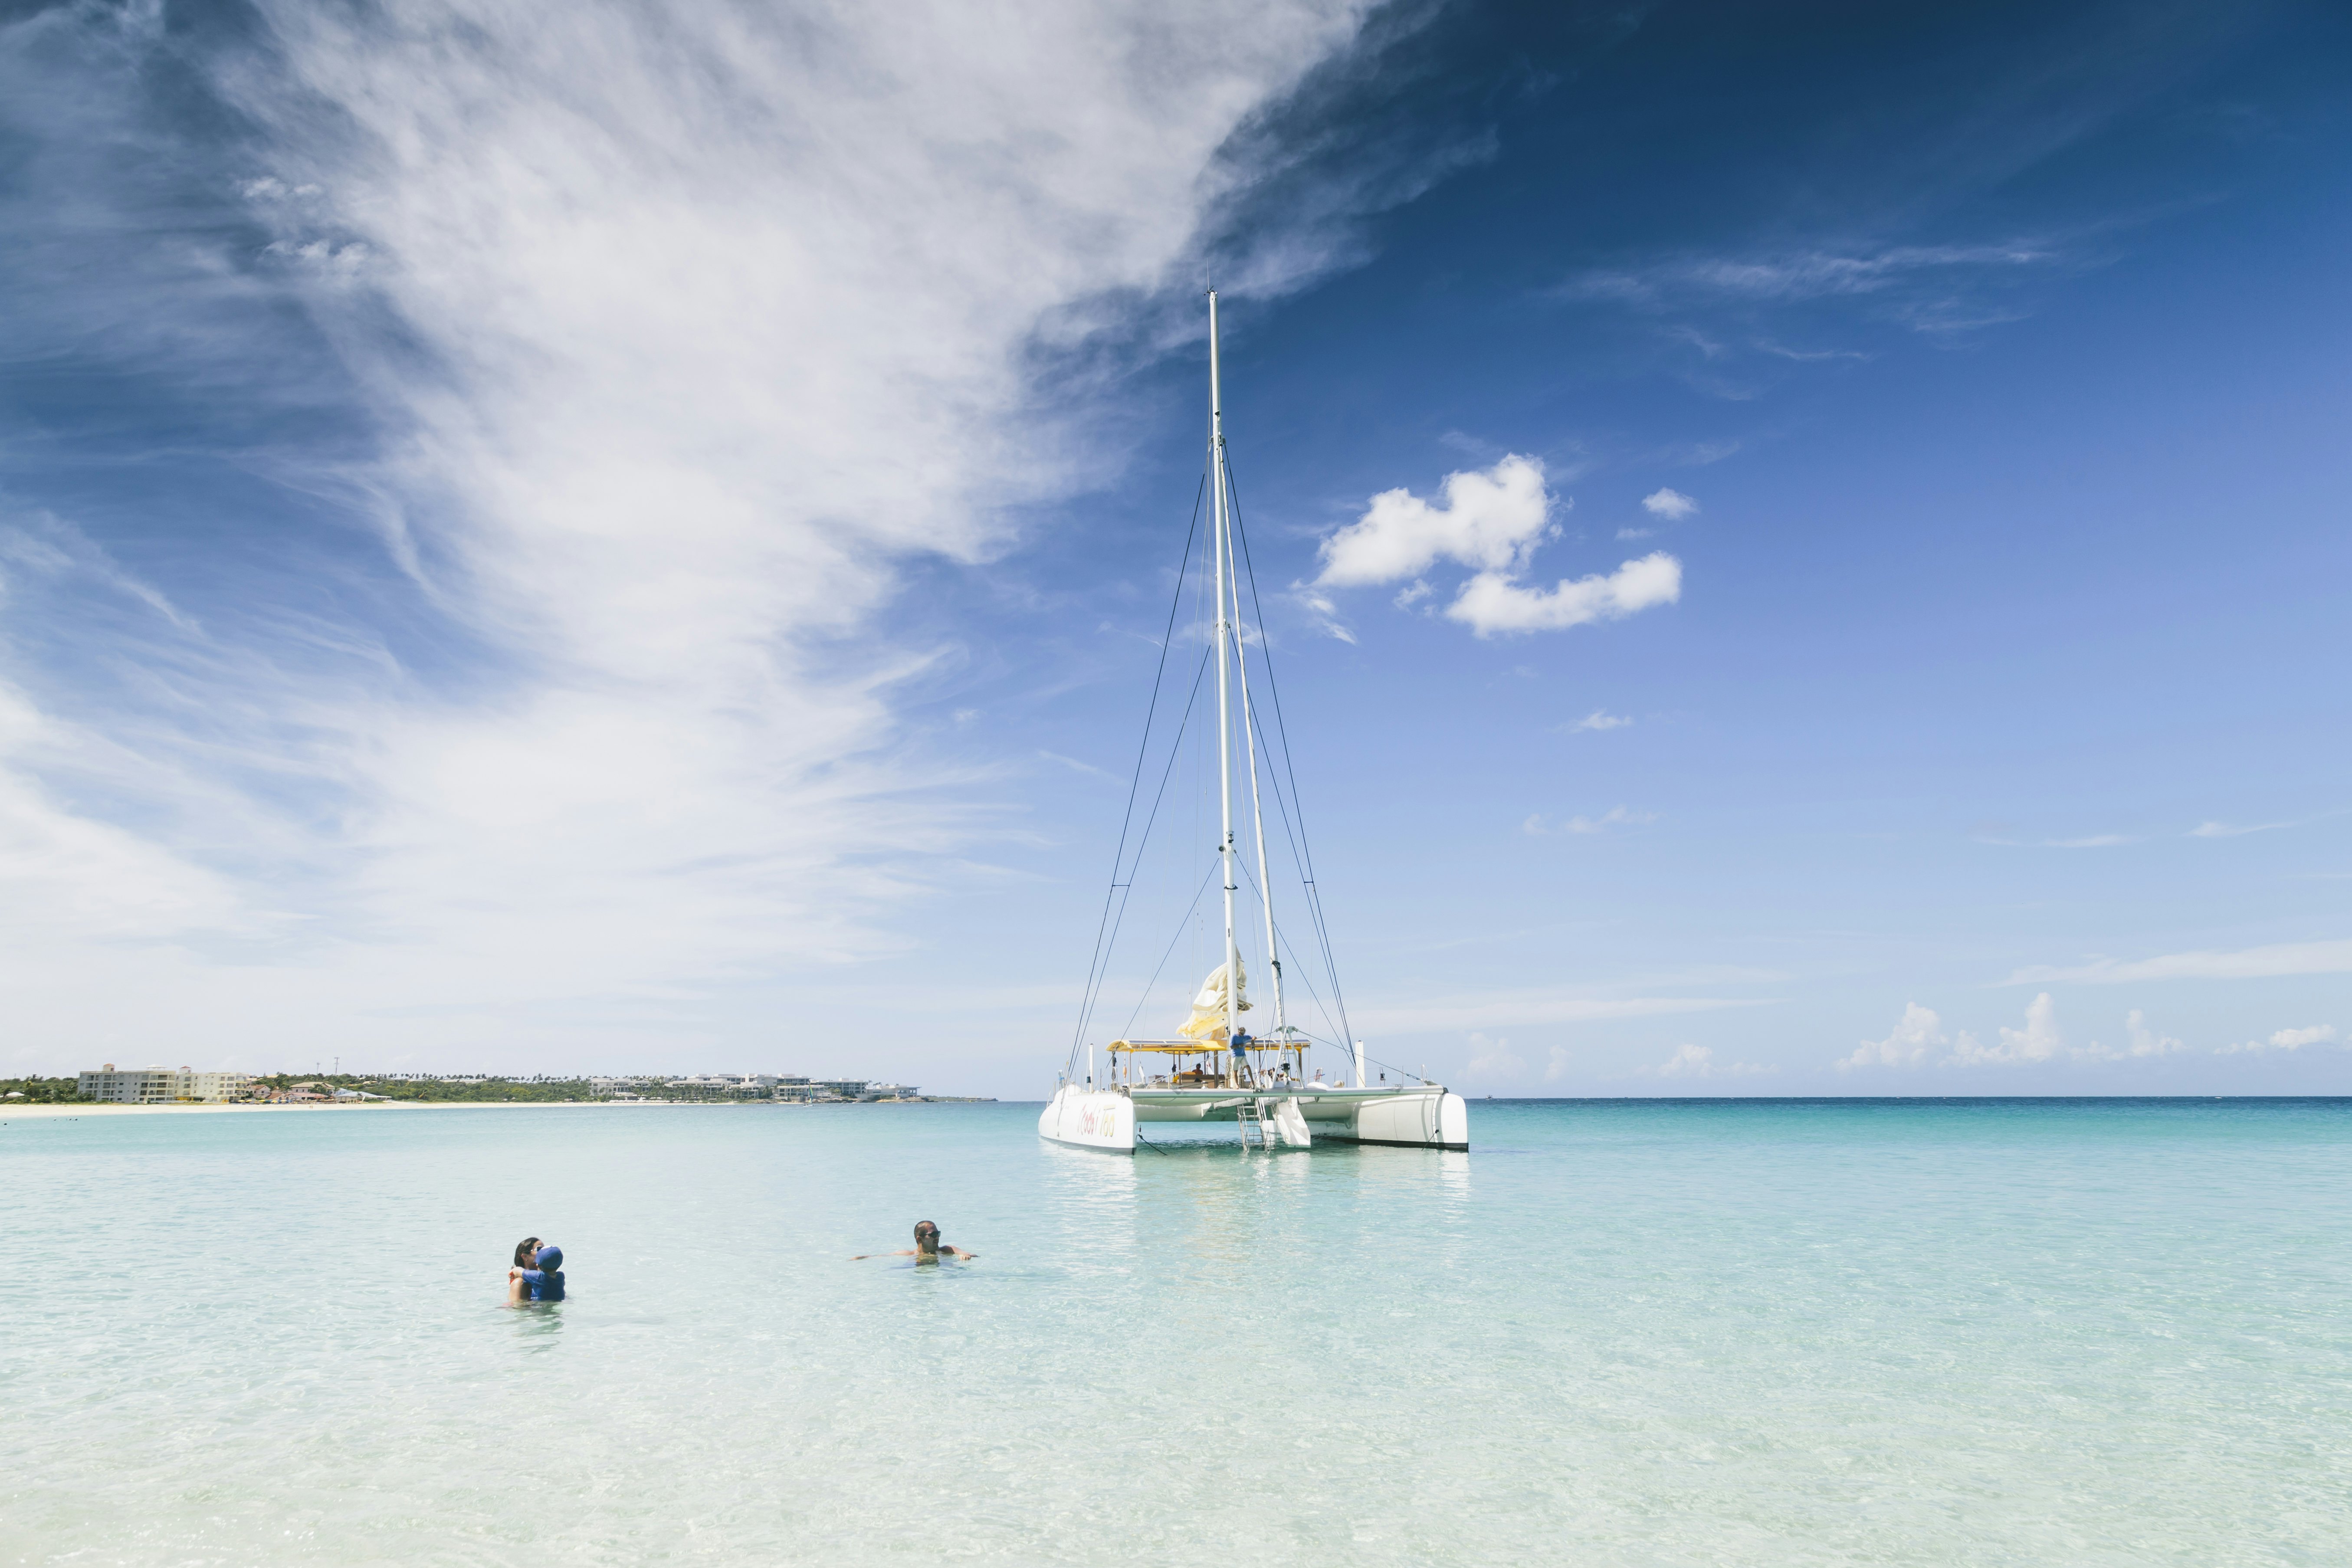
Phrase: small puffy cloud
[1558,1069]
[1616,816]
[2141,1042]
[1698,1061]
[1915,1036]
[1626,535]
[1494,1059]
[1598,718]
[2037,1042]
[2283,1040]
[1670,504]
[1492,602]
[1489,522]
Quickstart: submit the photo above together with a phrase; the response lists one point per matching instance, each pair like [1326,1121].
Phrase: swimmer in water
[928,1247]
[542,1282]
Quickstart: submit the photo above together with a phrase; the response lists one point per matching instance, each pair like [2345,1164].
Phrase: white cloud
[1489,521]
[1698,1061]
[1627,535]
[2284,1040]
[1557,1067]
[1914,1036]
[1492,523]
[1492,602]
[1494,1059]
[2245,964]
[2226,830]
[1600,719]
[1670,504]
[2142,1042]
[1527,1008]
[1616,816]
[2090,841]
[684,327]
[1801,275]
[2037,1042]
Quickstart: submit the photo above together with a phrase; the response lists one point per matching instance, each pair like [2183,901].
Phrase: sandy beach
[13,1112]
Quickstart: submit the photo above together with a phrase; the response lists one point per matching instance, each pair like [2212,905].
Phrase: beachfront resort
[112,1085]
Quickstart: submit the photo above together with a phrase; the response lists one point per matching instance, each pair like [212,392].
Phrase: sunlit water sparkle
[1617,1333]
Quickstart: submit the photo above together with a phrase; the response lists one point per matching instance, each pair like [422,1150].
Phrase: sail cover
[1208,1019]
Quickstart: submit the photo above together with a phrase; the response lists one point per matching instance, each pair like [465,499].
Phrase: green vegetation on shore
[39,1091]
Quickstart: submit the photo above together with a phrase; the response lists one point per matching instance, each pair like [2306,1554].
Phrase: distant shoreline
[10,1112]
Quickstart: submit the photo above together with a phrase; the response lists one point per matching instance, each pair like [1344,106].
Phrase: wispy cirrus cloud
[2333,957]
[1934,288]
[1530,1007]
[2234,830]
[657,340]
[1539,826]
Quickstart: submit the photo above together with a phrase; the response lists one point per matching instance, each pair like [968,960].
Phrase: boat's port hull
[1419,1116]
[1089,1119]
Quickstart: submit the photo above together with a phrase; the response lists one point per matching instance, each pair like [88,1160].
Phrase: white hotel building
[161,1086]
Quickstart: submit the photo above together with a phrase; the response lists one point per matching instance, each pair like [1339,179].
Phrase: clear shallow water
[1625,1332]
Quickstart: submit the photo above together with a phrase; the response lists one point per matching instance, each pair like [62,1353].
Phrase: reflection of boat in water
[1212,1069]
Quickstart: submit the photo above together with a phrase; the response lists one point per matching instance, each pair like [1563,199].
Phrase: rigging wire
[1097,980]
[1302,848]
[1180,926]
[1102,959]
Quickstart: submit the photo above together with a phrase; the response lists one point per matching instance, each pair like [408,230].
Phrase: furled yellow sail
[1208,1019]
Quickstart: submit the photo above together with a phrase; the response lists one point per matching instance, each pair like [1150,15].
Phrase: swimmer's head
[927,1237]
[551,1256]
[525,1250]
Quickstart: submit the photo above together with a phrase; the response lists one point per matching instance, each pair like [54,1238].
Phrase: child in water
[541,1281]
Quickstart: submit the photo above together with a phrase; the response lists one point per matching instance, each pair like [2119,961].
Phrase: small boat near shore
[1212,1069]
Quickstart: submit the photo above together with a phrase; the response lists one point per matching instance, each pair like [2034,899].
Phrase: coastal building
[886,1091]
[161,1086]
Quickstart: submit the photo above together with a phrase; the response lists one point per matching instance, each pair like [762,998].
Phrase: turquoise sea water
[1614,1332]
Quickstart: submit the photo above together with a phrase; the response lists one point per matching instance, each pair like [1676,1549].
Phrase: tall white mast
[1257,815]
[1225,720]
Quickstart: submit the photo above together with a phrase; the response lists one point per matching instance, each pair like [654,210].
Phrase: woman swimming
[928,1247]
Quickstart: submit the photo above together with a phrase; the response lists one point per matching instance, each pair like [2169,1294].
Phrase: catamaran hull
[1089,1119]
[1419,1117]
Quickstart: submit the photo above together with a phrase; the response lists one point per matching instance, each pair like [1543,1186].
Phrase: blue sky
[638,540]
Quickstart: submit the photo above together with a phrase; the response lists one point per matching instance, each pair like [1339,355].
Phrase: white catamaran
[1214,1069]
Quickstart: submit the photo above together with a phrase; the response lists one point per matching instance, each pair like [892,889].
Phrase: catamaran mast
[1221,521]
[1258,819]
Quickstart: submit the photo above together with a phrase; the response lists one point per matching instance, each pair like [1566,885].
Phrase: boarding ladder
[1251,1116]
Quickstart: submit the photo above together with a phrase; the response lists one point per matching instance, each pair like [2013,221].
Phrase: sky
[1803,547]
